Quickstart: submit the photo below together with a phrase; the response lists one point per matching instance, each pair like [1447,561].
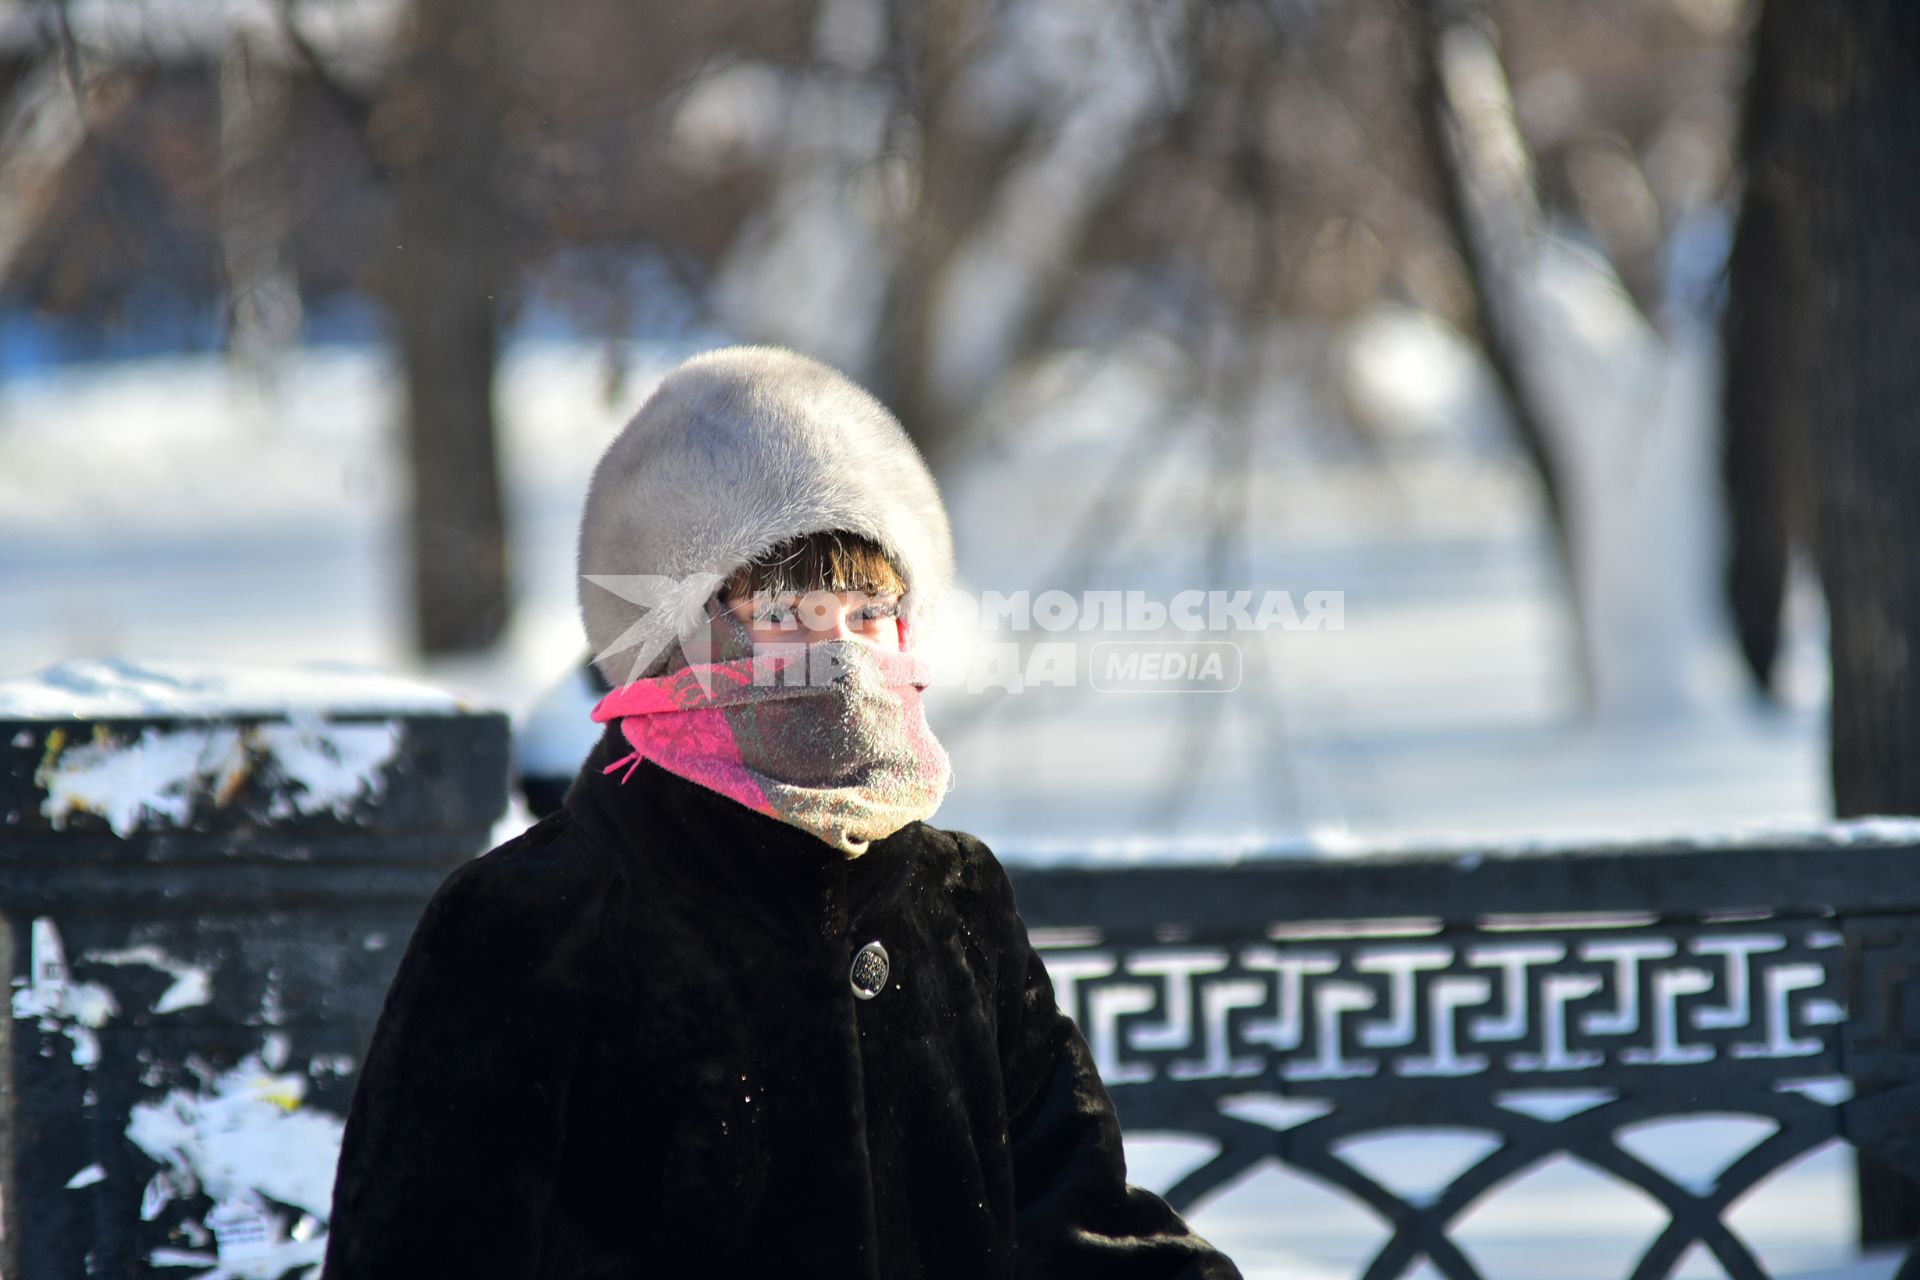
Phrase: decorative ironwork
[1528,1005]
[1644,977]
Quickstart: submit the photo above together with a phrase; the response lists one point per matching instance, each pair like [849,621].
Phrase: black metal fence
[1446,990]
[225,944]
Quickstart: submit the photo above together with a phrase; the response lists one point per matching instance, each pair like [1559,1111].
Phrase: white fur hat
[735,452]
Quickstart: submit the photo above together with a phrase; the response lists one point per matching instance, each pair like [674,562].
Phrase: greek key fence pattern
[1655,981]
[1528,1005]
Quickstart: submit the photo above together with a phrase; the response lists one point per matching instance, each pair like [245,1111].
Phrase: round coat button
[869,972]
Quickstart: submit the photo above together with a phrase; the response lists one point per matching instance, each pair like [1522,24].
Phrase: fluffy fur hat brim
[738,450]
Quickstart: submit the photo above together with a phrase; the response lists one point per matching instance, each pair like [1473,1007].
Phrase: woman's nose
[841,629]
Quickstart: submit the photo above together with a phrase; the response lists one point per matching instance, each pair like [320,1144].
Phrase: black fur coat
[626,1044]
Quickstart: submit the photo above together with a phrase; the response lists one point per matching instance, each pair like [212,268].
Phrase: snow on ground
[158,509]
[166,510]
[1559,1219]
[1446,703]
[99,687]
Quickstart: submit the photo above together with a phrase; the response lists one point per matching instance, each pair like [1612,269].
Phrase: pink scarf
[830,737]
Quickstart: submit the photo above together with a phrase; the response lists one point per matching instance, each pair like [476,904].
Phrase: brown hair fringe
[834,560]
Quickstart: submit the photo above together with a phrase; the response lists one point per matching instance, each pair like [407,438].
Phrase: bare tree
[1765,400]
[1821,348]
[439,131]
[1492,211]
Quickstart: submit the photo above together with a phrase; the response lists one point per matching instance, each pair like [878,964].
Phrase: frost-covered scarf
[830,737]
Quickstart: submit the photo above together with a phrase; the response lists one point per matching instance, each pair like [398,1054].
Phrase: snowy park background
[169,508]
[195,478]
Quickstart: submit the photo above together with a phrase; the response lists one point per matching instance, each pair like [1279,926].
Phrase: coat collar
[737,858]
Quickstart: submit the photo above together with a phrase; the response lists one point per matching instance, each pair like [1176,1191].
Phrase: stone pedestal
[207,876]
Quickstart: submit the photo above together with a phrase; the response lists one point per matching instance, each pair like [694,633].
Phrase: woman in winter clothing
[736,1009]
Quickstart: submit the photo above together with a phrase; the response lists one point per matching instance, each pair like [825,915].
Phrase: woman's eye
[873,612]
[774,614]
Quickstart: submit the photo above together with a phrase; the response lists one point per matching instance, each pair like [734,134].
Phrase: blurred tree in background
[504,131]
[1821,392]
[969,204]
[435,157]
[942,197]
[933,196]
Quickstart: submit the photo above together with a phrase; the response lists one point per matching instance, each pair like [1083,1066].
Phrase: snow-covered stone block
[206,873]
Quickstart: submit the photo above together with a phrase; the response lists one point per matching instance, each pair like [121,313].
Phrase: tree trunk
[256,206]
[1764,386]
[1491,210]
[1854,91]
[439,131]
[928,47]
[1846,100]
[457,526]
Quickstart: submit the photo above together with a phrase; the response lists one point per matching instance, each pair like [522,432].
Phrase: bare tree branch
[1473,175]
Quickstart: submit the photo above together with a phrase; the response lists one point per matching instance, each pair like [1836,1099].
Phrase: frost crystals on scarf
[830,737]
